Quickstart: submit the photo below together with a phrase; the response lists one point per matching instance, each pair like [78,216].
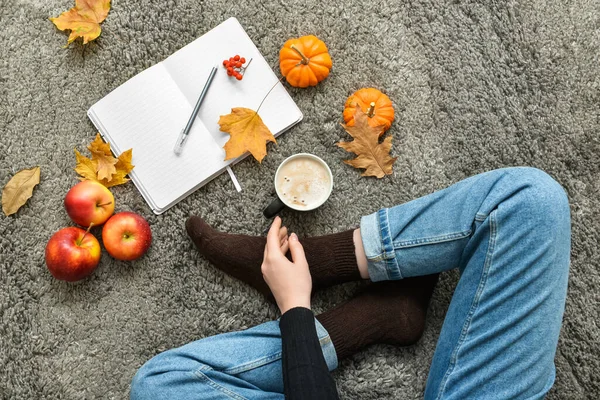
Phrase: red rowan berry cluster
[235,66]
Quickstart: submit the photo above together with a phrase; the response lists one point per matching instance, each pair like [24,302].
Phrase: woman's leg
[236,365]
[332,259]
[247,364]
[508,232]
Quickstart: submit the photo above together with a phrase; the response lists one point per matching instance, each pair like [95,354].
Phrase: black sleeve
[305,373]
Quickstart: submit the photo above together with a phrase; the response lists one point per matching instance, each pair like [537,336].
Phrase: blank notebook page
[147,114]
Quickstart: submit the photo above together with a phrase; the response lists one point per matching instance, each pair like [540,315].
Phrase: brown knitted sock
[391,312]
[331,258]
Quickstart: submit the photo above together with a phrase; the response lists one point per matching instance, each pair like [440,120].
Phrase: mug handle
[274,208]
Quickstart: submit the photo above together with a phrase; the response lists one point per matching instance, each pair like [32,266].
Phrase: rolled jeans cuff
[326,346]
[379,247]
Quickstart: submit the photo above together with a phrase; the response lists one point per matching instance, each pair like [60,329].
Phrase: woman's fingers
[285,246]
[283,231]
[273,236]
[266,252]
[283,236]
[297,250]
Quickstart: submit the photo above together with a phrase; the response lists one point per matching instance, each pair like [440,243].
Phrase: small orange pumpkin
[376,105]
[304,61]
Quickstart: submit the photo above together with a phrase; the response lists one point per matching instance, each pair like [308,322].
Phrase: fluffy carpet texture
[476,85]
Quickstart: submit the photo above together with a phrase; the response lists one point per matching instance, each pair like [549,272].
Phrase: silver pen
[186,131]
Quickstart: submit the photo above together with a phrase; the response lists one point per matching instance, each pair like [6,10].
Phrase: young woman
[508,233]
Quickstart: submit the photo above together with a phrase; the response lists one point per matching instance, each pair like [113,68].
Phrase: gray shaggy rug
[476,85]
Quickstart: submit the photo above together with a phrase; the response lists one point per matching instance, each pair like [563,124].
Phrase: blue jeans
[508,233]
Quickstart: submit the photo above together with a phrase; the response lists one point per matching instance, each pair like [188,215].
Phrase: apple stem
[103,204]
[86,232]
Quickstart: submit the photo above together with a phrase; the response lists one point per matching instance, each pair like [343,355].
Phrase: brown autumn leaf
[19,189]
[89,169]
[248,133]
[105,162]
[373,157]
[83,20]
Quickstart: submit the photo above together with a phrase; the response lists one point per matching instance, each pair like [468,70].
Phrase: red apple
[126,236]
[88,203]
[72,254]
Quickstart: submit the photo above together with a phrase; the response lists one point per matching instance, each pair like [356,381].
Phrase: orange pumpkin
[304,61]
[376,105]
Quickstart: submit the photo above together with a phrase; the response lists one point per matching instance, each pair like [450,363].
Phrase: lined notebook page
[190,66]
[147,113]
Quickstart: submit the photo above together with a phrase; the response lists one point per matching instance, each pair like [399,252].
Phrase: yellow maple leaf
[98,146]
[124,161]
[88,168]
[248,133]
[123,167]
[83,20]
[372,156]
[85,167]
[93,9]
[105,162]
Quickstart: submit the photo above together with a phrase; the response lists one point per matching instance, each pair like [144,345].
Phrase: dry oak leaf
[19,189]
[248,133]
[373,156]
[105,162]
[83,20]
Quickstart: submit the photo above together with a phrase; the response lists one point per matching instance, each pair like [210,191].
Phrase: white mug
[280,203]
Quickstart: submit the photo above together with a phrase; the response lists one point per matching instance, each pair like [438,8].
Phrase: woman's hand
[290,282]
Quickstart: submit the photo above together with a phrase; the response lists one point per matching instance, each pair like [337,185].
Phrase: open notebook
[148,112]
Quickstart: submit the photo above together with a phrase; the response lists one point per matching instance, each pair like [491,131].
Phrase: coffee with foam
[303,182]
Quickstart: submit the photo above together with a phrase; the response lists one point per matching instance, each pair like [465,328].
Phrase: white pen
[186,131]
